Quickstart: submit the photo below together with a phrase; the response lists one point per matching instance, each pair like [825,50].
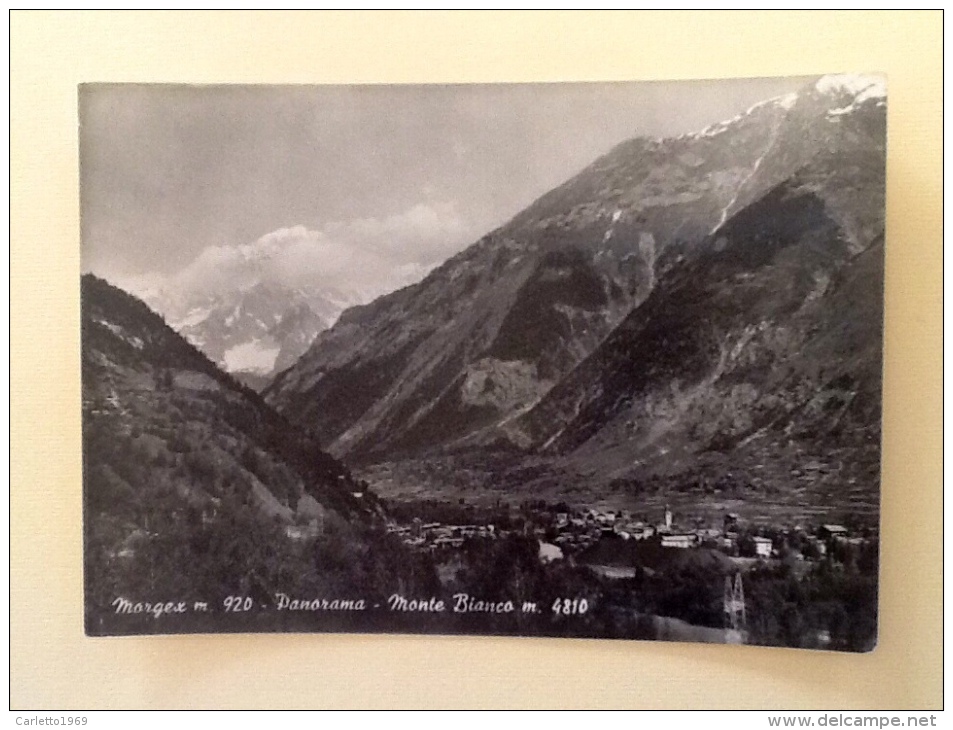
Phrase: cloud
[365,257]
[423,234]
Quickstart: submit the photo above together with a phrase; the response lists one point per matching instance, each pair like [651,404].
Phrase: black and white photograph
[582,360]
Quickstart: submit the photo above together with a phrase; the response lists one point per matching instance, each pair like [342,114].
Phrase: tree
[164,379]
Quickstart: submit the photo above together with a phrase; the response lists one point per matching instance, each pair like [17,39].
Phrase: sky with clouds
[364,184]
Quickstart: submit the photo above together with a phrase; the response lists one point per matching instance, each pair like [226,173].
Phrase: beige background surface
[54,666]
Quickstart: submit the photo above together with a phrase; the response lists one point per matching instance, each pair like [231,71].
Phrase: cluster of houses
[581,530]
[566,533]
[435,536]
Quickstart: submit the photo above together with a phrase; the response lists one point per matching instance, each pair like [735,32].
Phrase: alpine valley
[695,315]
[647,406]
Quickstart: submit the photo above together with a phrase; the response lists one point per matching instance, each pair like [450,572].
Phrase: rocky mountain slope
[702,244]
[767,344]
[767,349]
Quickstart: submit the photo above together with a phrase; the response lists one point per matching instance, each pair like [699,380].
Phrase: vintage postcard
[580,360]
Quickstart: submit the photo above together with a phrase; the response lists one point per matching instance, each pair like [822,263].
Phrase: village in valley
[701,576]
[585,536]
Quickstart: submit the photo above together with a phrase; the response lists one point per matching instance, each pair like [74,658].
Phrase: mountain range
[681,302]
[255,308]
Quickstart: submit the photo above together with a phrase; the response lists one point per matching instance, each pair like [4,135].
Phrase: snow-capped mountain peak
[784,103]
[861,86]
